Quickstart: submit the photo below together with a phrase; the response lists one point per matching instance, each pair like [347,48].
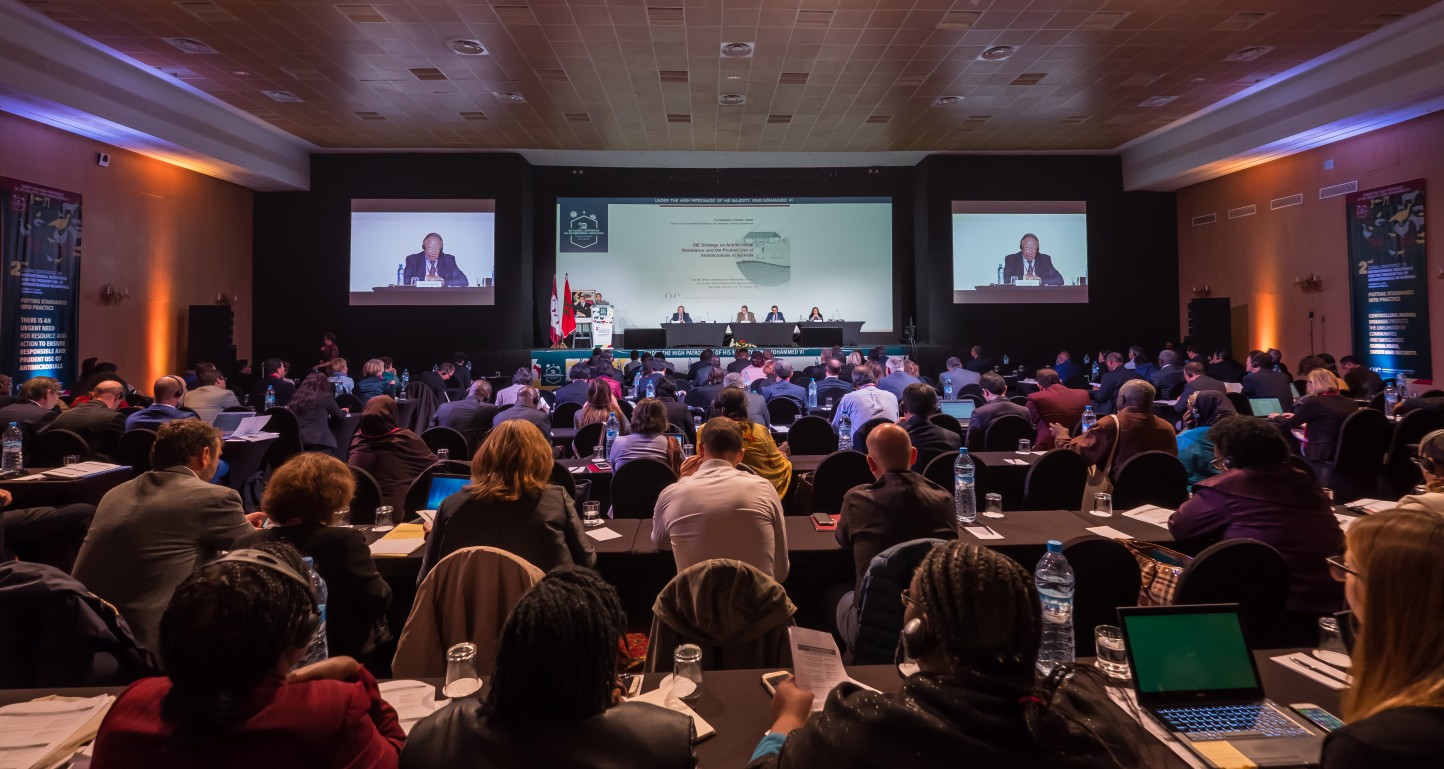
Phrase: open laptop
[443,486]
[1262,407]
[959,410]
[1193,672]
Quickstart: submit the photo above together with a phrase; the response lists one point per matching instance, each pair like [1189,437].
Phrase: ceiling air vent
[1292,200]
[1199,221]
[1242,211]
[1338,189]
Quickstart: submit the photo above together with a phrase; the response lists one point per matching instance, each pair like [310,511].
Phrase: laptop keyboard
[1212,722]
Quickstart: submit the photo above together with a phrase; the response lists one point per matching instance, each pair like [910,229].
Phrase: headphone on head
[1426,447]
[917,637]
[308,626]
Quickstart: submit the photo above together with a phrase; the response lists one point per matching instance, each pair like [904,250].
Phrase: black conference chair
[135,450]
[811,436]
[420,489]
[859,441]
[1021,400]
[839,473]
[1005,432]
[351,402]
[1241,404]
[1400,472]
[366,498]
[587,439]
[783,411]
[1242,571]
[283,423]
[973,392]
[1055,481]
[562,477]
[53,446]
[1150,478]
[1107,577]
[940,471]
[637,485]
[1363,442]
[948,422]
[437,438]
[565,415]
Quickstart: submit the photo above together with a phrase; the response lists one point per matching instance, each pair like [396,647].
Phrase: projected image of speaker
[823,336]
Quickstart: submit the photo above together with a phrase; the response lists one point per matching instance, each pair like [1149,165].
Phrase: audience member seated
[49,535]
[754,368]
[677,413]
[705,395]
[756,404]
[460,372]
[301,498]
[538,713]
[469,413]
[741,360]
[530,407]
[230,699]
[645,440]
[831,386]
[337,374]
[439,378]
[977,362]
[927,439]
[1105,396]
[316,409]
[575,390]
[212,397]
[1431,465]
[393,455]
[1321,414]
[957,377]
[701,369]
[105,372]
[511,504]
[759,451]
[1142,365]
[973,624]
[900,506]
[1259,495]
[854,359]
[784,388]
[1168,377]
[1054,404]
[1134,429]
[1433,404]
[635,361]
[719,511]
[1065,368]
[274,377]
[866,402]
[373,382]
[1394,579]
[1195,380]
[169,391]
[1361,381]
[1195,443]
[897,378]
[600,405]
[995,405]
[152,531]
[1263,382]
[1224,368]
[96,421]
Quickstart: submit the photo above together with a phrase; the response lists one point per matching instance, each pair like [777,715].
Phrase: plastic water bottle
[948,389]
[965,498]
[1403,385]
[613,428]
[637,383]
[812,394]
[1391,399]
[1005,360]
[1000,275]
[844,434]
[1089,419]
[651,388]
[316,650]
[270,397]
[1095,371]
[405,380]
[401,274]
[1054,578]
[12,458]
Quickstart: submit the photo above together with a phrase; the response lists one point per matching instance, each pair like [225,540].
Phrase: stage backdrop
[40,247]
[1389,287]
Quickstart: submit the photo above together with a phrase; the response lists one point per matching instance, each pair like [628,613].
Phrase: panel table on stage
[760,334]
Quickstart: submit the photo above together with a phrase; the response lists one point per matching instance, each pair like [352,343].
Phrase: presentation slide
[648,256]
[1032,252]
[423,252]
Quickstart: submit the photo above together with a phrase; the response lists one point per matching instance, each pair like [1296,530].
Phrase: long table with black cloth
[707,334]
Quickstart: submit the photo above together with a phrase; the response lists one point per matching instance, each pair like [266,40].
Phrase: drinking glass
[592,514]
[442,455]
[1112,654]
[1025,446]
[687,672]
[343,517]
[993,505]
[688,450]
[1103,505]
[1330,639]
[829,403]
[1328,492]
[461,678]
[383,519]
[71,459]
[599,454]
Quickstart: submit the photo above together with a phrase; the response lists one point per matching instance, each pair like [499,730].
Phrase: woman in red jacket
[228,640]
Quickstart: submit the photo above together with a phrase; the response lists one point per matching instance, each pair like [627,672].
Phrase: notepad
[1158,516]
[1371,506]
[1109,532]
[602,535]
[79,470]
[412,700]
[982,532]
[45,731]
[400,541]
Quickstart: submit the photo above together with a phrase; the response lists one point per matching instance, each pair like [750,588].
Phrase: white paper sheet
[1345,521]
[30,730]
[817,663]
[1371,506]
[662,697]
[385,546]
[1332,681]
[603,534]
[80,470]
[248,427]
[1109,532]
[412,700]
[1158,516]
[982,532]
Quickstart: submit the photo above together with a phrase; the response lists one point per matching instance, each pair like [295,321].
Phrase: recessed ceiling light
[189,45]
[1249,54]
[1156,101]
[1197,80]
[944,101]
[738,50]
[182,73]
[998,53]
[510,96]
[732,99]
[467,47]
[734,77]
[240,73]
[285,96]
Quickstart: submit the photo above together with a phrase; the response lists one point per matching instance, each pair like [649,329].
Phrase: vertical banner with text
[1389,278]
[40,287]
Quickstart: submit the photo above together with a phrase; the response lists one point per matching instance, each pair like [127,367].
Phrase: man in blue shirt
[168,392]
[865,402]
[1065,366]
[898,380]
[783,387]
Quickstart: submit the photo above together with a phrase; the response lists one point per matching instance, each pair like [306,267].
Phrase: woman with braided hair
[972,622]
[555,700]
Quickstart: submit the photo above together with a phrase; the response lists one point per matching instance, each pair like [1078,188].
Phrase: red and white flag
[556,315]
[569,316]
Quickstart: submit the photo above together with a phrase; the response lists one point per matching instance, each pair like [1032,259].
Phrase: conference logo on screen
[583,229]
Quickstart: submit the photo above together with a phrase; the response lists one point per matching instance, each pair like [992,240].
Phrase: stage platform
[554,364]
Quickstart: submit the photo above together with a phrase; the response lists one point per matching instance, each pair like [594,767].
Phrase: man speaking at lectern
[1028,264]
[433,264]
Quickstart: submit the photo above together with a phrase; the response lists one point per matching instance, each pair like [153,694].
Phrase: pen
[1326,670]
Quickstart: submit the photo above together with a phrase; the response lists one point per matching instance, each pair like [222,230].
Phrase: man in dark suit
[460,374]
[431,263]
[633,363]
[680,316]
[978,362]
[526,409]
[1169,375]
[439,379]
[168,391]
[1107,393]
[928,440]
[1224,368]
[784,388]
[96,420]
[677,412]
[1196,381]
[1065,367]
[274,376]
[1054,404]
[1029,264]
[34,409]
[775,316]
[698,371]
[832,386]
[575,390]
[702,397]
[743,360]
[745,315]
[1263,382]
[1363,382]
[471,413]
[996,407]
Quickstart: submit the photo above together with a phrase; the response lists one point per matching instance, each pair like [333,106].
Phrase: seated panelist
[775,316]
[1029,264]
[680,316]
